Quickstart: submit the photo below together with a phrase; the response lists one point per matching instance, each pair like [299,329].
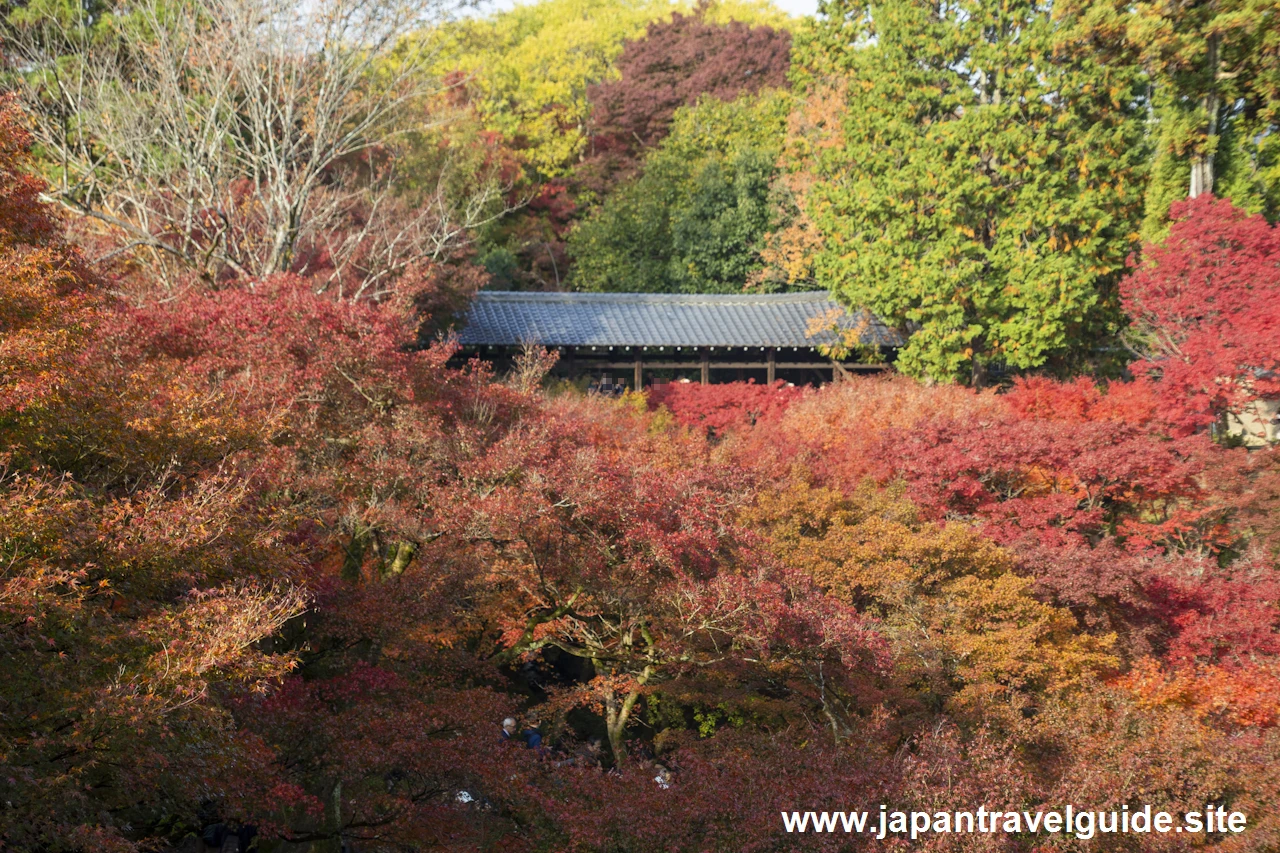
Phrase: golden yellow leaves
[944,587]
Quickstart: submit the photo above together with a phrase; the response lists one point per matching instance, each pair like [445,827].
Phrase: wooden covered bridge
[660,337]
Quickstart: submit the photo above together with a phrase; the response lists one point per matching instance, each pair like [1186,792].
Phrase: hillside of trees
[271,557]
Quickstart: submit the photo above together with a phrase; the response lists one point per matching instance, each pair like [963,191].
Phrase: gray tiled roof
[498,318]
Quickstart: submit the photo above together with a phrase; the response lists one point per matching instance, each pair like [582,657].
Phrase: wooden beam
[749,365]
[578,358]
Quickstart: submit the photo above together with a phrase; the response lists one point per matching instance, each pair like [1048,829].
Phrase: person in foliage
[532,736]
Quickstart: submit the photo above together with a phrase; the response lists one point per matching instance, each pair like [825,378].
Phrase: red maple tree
[1206,313]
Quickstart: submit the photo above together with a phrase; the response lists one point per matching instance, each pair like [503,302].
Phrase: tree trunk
[400,559]
[614,723]
[1202,164]
[353,559]
[979,378]
[618,713]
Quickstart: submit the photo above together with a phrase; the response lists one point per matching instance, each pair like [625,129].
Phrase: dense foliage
[981,174]
[143,561]
[1206,312]
[979,177]
[265,565]
[719,52]
[694,221]
[1214,94]
[982,183]
[674,65]
[271,555]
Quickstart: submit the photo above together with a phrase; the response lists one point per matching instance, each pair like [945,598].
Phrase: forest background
[269,557]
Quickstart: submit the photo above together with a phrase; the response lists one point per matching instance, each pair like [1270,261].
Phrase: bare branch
[229,135]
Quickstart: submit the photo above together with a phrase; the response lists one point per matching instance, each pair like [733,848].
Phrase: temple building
[637,339]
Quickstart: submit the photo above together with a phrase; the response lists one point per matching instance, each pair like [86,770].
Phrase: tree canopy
[677,63]
[694,219]
[981,182]
[533,66]
[1213,92]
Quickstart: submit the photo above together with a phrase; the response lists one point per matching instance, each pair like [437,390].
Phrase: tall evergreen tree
[982,183]
[1213,68]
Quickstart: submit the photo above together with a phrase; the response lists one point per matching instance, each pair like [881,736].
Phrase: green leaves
[531,66]
[694,220]
[985,185]
[1212,88]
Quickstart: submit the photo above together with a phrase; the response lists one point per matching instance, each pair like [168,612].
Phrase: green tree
[981,183]
[695,218]
[1213,68]
[531,65]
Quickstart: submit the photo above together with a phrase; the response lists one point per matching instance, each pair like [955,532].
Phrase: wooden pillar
[771,360]
[706,366]
[639,375]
